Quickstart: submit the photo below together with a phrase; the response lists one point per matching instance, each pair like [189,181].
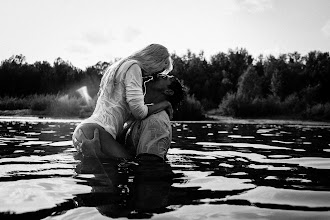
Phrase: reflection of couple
[137,191]
[121,97]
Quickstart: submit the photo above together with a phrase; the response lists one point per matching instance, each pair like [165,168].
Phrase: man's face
[162,81]
[158,82]
[156,88]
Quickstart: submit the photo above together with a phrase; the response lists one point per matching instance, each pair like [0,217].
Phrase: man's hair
[179,94]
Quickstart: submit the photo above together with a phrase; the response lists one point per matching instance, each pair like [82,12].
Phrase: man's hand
[89,147]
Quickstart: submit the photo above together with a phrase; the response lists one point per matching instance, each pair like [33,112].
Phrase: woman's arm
[134,93]
[164,105]
[135,97]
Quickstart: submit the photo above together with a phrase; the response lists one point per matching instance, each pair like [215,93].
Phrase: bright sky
[87,31]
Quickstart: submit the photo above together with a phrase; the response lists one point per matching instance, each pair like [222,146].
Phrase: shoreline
[275,121]
[26,115]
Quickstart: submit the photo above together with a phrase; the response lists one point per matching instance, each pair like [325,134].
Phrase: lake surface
[214,171]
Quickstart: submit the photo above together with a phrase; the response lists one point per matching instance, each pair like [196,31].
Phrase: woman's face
[170,67]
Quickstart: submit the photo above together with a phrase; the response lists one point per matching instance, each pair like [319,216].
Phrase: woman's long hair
[152,59]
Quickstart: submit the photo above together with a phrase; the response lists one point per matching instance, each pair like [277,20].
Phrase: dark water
[214,171]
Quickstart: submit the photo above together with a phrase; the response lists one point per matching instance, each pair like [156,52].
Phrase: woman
[121,95]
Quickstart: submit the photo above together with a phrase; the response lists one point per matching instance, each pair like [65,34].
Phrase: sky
[85,32]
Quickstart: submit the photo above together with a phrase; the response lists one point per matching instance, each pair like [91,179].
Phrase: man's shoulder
[160,116]
[159,119]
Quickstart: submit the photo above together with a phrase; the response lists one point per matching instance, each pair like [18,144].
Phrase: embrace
[133,110]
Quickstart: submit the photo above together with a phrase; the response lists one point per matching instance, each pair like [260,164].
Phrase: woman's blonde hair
[154,58]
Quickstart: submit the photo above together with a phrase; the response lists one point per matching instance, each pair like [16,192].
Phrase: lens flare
[84,93]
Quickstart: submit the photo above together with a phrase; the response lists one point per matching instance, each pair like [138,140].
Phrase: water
[214,171]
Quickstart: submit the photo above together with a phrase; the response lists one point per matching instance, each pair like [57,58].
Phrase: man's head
[164,87]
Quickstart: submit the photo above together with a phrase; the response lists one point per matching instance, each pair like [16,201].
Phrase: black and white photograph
[165,109]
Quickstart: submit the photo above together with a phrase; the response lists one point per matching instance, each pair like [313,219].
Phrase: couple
[146,139]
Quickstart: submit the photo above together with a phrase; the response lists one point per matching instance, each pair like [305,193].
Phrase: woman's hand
[164,105]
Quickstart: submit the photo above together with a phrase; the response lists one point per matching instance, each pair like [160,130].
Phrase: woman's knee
[87,130]
[105,137]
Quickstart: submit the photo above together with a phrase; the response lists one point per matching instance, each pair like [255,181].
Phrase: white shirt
[152,135]
[120,96]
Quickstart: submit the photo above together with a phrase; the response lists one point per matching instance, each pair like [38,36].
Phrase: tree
[92,77]
[47,77]
[65,74]
[249,85]
[318,73]
[195,73]
[276,84]
[239,60]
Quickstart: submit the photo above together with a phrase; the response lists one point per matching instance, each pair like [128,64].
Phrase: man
[151,137]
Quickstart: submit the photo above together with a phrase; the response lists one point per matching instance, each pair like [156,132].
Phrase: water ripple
[213,171]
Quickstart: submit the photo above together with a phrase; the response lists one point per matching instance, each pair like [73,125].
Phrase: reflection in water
[214,171]
[119,192]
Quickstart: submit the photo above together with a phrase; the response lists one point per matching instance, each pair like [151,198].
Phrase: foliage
[234,105]
[237,83]
[318,111]
[249,85]
[41,102]
[229,105]
[14,103]
[19,79]
[65,106]
[190,110]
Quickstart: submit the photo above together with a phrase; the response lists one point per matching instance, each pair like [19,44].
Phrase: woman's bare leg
[108,147]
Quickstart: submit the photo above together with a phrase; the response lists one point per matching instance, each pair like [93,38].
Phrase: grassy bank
[46,105]
[64,106]
[293,107]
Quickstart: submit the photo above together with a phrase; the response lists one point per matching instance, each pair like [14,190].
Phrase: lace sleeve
[134,93]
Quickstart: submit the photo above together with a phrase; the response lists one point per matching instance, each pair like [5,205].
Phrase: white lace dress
[120,95]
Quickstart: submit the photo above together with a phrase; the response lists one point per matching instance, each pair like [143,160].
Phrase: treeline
[20,79]
[235,83]
[239,85]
